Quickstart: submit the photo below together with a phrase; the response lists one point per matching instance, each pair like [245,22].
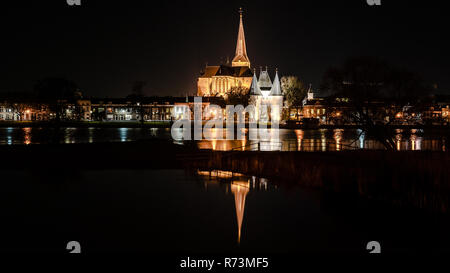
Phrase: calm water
[175,211]
[293,140]
[172,211]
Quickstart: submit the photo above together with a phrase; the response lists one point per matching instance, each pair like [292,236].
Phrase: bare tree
[375,93]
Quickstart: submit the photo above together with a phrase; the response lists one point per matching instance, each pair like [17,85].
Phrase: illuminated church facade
[266,96]
[218,80]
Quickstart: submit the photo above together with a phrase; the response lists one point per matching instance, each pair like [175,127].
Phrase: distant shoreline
[168,124]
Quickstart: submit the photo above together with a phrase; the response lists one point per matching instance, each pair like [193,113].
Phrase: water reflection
[361,138]
[290,220]
[338,137]
[123,134]
[270,140]
[240,190]
[326,140]
[239,185]
[415,143]
[69,135]
[9,137]
[299,136]
[27,135]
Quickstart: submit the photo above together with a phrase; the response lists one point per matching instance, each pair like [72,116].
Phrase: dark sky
[104,46]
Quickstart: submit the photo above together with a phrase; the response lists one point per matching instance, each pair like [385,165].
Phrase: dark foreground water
[172,211]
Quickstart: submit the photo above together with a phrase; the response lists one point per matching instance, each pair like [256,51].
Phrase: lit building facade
[24,111]
[266,97]
[218,80]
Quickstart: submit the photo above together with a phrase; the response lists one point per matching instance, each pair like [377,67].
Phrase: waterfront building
[118,109]
[84,109]
[217,80]
[7,113]
[12,110]
[266,94]
[151,108]
[446,113]
[314,108]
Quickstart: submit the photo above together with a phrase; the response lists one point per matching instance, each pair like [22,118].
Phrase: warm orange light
[299,134]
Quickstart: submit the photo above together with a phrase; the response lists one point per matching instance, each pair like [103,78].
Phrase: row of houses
[318,110]
[339,110]
[99,109]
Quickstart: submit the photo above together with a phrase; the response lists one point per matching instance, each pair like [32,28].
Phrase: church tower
[218,80]
[241,59]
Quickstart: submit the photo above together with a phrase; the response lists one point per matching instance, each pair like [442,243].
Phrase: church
[218,81]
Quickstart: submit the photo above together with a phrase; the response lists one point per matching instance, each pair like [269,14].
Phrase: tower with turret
[266,96]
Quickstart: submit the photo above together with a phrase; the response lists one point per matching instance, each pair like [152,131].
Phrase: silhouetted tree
[375,91]
[56,92]
[137,95]
[238,95]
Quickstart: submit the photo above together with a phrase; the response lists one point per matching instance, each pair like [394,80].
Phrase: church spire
[241,58]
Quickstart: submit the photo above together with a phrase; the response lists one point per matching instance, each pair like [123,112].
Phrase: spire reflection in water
[239,185]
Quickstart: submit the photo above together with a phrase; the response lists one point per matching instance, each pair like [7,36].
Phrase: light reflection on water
[123,134]
[239,185]
[325,140]
[319,215]
[32,135]
[286,140]
[169,211]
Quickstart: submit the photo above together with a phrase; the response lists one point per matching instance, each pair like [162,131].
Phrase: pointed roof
[276,87]
[264,82]
[241,58]
[225,70]
[254,89]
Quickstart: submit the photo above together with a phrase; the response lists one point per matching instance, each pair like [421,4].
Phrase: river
[177,212]
[288,140]
[201,212]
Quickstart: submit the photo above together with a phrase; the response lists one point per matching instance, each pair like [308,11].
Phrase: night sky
[104,46]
